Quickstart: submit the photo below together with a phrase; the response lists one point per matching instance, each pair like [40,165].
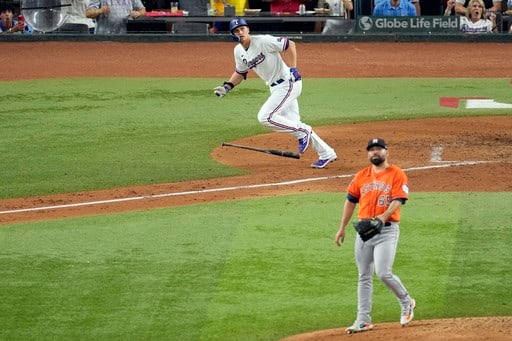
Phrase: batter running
[380,189]
[263,54]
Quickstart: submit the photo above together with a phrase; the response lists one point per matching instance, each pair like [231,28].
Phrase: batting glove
[295,75]
[223,90]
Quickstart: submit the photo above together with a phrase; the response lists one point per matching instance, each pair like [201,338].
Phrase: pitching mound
[482,328]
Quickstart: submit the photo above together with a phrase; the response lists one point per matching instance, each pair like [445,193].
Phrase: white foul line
[284,183]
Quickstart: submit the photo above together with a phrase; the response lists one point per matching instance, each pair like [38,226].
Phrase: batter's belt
[277,82]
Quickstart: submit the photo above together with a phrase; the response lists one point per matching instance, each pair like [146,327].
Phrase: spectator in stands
[491,6]
[77,17]
[112,16]
[462,6]
[475,21]
[10,25]
[507,19]
[416,4]
[394,8]
[348,7]
[450,8]
[338,26]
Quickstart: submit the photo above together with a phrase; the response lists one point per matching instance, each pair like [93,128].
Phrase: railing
[318,25]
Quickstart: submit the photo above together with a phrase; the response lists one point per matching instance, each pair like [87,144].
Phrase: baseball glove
[367,228]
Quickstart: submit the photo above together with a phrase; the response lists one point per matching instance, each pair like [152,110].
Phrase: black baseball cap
[376,142]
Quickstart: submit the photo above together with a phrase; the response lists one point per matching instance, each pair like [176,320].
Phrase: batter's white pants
[379,253]
[280,113]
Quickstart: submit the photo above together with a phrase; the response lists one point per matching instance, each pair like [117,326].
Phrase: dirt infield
[467,329]
[471,154]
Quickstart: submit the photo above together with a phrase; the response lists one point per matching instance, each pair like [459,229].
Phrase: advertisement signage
[421,24]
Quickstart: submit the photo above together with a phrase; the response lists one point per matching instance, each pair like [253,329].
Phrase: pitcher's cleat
[358,328]
[408,313]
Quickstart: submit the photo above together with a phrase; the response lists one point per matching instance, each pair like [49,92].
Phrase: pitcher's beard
[377,160]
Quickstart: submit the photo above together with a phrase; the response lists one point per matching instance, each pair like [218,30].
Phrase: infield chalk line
[284,183]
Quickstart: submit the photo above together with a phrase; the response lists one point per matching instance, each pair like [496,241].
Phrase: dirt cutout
[454,154]
[467,329]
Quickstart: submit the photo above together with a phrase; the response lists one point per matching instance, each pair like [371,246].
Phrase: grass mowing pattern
[137,275]
[480,257]
[245,270]
[68,135]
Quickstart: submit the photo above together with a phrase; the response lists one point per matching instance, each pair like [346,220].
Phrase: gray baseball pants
[379,253]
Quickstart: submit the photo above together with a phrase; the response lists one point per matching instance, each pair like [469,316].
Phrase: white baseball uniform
[281,110]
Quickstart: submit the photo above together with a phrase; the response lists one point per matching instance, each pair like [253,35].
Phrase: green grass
[68,135]
[244,270]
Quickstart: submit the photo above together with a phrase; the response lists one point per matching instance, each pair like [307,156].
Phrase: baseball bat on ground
[268,151]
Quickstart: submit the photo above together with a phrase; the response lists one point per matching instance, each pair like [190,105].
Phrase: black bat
[268,151]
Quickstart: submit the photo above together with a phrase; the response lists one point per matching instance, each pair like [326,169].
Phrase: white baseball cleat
[408,313]
[358,328]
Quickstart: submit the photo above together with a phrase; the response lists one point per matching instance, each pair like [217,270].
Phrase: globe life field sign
[424,24]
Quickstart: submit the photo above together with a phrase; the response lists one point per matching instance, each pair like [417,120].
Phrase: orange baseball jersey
[375,191]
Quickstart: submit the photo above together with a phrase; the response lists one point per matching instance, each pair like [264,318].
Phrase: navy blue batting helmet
[237,22]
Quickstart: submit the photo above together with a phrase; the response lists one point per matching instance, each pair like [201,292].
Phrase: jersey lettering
[255,61]
[263,57]
[375,186]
